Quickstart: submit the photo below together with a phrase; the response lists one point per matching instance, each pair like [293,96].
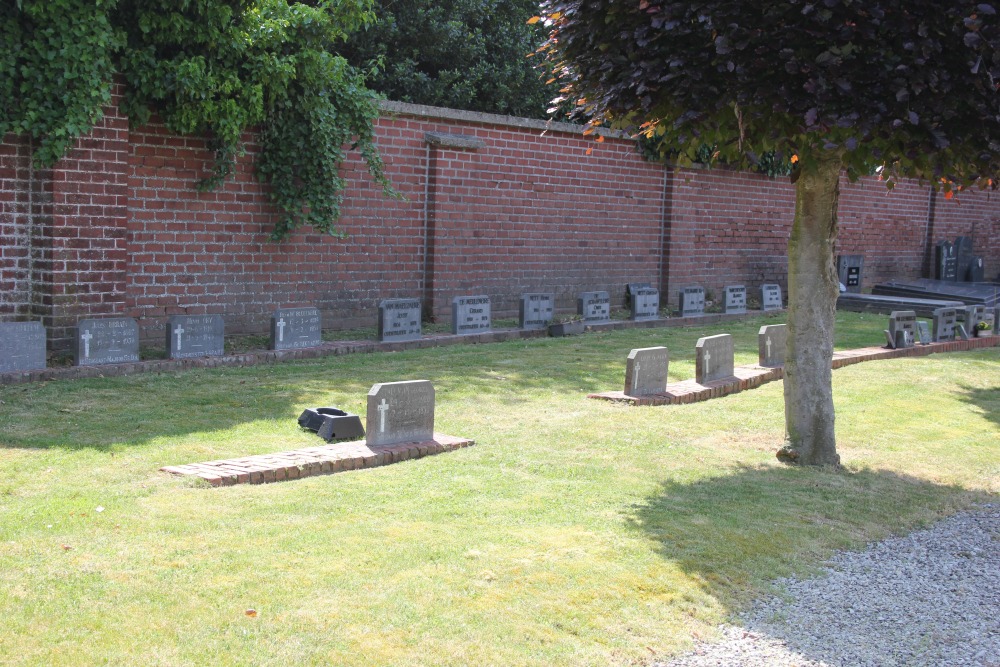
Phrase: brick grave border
[312,461]
[753,376]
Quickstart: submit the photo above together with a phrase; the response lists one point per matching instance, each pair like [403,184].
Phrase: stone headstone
[296,328]
[977,271]
[692,301]
[400,412]
[22,346]
[594,307]
[470,315]
[963,257]
[903,327]
[972,316]
[944,323]
[537,310]
[771,341]
[735,299]
[962,333]
[112,340]
[399,320]
[849,271]
[646,371]
[645,304]
[888,339]
[713,358]
[632,288]
[924,333]
[945,261]
[770,297]
[190,336]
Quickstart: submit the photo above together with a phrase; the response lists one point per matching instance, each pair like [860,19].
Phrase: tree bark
[812,305]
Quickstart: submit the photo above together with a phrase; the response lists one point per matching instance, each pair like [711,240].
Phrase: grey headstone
[770,297]
[849,271]
[735,299]
[962,333]
[400,412]
[971,316]
[963,257]
[771,340]
[924,333]
[646,371]
[990,315]
[945,261]
[645,304]
[594,307]
[22,346]
[889,339]
[296,328]
[977,271]
[537,310]
[399,320]
[692,301]
[112,340]
[903,327]
[944,322]
[632,288]
[713,358]
[470,315]
[191,336]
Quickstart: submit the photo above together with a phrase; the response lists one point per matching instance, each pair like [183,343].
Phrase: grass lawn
[576,532]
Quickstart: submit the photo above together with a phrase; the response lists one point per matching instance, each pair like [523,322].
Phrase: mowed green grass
[575,532]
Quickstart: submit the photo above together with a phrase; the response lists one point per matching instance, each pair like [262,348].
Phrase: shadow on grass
[737,532]
[986,399]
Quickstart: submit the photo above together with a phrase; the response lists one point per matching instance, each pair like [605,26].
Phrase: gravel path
[931,598]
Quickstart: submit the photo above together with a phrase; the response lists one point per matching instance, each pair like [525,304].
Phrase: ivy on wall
[208,67]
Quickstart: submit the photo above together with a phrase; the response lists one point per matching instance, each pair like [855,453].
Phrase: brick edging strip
[311,461]
[751,377]
[335,348]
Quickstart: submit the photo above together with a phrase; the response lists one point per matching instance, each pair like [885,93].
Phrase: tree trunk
[812,305]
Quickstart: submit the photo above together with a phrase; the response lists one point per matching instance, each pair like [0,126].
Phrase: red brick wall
[495,206]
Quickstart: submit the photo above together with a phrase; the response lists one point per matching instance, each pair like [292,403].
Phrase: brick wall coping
[336,348]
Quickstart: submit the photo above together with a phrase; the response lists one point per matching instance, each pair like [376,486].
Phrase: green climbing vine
[208,67]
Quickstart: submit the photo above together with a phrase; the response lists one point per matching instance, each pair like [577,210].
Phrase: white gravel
[931,598]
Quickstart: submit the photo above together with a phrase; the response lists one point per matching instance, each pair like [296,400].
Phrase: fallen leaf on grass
[66,547]
[252,613]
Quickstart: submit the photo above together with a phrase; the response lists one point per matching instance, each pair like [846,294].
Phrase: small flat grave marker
[645,304]
[537,310]
[112,340]
[713,358]
[22,346]
[770,297]
[594,307]
[924,332]
[470,315]
[771,341]
[646,371]
[190,336]
[903,327]
[692,301]
[296,328]
[735,299]
[399,320]
[944,323]
[849,271]
[400,412]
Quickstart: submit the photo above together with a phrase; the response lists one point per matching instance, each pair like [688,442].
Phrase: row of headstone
[947,324]
[692,299]
[956,261]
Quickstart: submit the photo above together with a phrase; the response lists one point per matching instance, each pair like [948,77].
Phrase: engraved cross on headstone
[281,329]
[179,331]
[708,358]
[86,342]
[768,343]
[383,407]
[635,378]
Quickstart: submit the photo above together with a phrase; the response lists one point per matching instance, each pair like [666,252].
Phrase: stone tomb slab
[22,346]
[536,310]
[944,322]
[849,271]
[191,336]
[400,412]
[399,320]
[594,307]
[771,341]
[296,328]
[470,315]
[903,328]
[645,304]
[692,301]
[770,297]
[735,299]
[112,340]
[646,371]
[713,358]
